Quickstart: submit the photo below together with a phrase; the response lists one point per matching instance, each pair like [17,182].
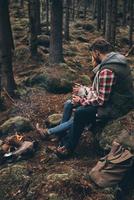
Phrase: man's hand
[75,99]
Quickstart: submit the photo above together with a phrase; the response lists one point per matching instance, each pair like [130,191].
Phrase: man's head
[100,48]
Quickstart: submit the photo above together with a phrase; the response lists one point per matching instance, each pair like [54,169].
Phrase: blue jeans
[66,122]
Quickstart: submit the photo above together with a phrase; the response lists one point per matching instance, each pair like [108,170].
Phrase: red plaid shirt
[100,91]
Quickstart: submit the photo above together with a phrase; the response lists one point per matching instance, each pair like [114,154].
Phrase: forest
[44,51]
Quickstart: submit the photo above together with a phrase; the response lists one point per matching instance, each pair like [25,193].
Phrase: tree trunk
[7,46]
[94,8]
[38,24]
[104,15]
[47,15]
[67,19]
[56,52]
[113,21]
[85,8]
[73,11]
[33,27]
[124,12]
[99,15]
[21,4]
[108,20]
[78,8]
[0,79]
[131,23]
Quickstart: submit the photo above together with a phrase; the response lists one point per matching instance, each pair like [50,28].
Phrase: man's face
[96,56]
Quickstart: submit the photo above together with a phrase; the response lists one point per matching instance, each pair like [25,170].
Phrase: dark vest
[121,99]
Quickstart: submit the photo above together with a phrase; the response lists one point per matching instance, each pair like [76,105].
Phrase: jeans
[66,122]
[83,115]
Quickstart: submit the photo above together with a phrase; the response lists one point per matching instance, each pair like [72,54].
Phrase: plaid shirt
[101,88]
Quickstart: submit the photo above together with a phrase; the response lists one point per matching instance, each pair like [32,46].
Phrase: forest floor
[44,168]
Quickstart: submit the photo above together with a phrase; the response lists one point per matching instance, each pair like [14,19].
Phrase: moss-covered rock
[82,39]
[13,180]
[55,79]
[114,129]
[14,124]
[54,120]
[22,53]
[86,26]
[43,40]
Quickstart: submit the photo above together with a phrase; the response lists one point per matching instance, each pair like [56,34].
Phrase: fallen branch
[6,94]
[130,51]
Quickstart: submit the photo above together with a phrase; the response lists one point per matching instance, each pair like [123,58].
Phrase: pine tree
[56,55]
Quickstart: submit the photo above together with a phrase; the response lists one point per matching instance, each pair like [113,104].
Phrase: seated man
[109,97]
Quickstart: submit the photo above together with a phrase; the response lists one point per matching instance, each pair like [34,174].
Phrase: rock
[12,181]
[70,53]
[82,39]
[55,79]
[43,40]
[54,120]
[114,129]
[22,54]
[86,26]
[14,124]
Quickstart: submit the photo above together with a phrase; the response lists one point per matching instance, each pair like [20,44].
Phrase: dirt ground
[37,104]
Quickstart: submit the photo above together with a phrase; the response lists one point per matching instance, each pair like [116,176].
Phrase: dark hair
[101,45]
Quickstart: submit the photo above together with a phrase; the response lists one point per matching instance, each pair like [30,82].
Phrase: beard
[97,59]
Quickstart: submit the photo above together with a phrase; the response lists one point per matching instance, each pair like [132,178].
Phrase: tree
[73,9]
[47,15]
[113,21]
[94,8]
[99,2]
[33,10]
[0,78]
[22,4]
[131,23]
[38,23]
[124,12]
[67,19]
[7,46]
[56,51]
[108,20]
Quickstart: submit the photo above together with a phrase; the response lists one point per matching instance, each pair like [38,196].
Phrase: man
[110,96]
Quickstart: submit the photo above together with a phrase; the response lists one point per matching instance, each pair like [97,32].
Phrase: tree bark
[22,4]
[0,79]
[108,20]
[67,19]
[47,15]
[73,11]
[131,23]
[113,21]
[38,23]
[6,46]
[99,14]
[124,12]
[104,15]
[33,27]
[94,8]
[56,52]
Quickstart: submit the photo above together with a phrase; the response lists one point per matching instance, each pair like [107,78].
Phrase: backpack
[111,169]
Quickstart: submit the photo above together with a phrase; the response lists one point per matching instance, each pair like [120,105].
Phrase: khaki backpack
[111,169]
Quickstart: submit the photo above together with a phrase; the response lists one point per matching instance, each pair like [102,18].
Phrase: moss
[14,124]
